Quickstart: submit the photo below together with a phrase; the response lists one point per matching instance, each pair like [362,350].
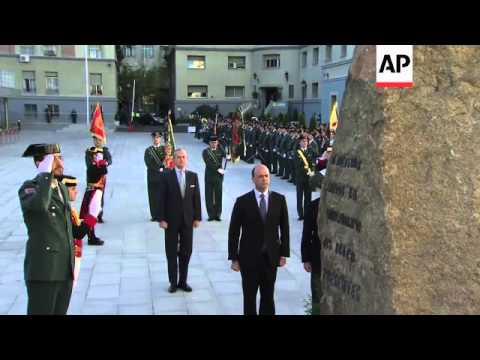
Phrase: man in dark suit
[254,246]
[310,246]
[179,213]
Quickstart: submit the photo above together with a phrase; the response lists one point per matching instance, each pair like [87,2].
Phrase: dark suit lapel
[270,206]
[253,199]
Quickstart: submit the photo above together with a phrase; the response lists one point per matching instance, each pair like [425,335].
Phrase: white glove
[76,271]
[323,172]
[221,171]
[95,204]
[47,164]
[311,173]
[99,156]
[284,156]
[229,157]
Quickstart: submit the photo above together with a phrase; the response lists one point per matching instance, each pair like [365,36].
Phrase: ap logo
[394,66]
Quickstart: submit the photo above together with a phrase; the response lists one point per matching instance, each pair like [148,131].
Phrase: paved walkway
[128,275]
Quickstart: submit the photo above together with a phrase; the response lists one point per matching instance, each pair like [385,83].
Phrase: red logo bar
[394,84]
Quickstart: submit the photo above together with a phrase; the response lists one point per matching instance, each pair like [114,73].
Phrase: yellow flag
[334,117]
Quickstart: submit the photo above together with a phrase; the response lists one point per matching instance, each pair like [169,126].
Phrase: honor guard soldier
[99,151]
[154,160]
[303,171]
[49,254]
[80,228]
[214,172]
[96,178]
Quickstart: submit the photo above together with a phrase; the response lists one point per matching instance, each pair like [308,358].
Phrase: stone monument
[399,216]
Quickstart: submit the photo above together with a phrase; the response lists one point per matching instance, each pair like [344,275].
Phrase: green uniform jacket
[154,158]
[213,162]
[49,254]
[300,171]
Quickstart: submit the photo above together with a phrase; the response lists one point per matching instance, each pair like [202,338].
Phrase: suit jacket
[49,254]
[175,210]
[310,246]
[247,232]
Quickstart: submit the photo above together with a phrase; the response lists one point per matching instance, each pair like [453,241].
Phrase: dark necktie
[263,207]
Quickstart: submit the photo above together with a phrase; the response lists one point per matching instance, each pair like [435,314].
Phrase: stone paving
[128,275]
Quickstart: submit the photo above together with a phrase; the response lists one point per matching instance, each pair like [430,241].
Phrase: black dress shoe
[185,287]
[95,241]
[284,178]
[300,218]
[172,289]
[210,219]
[218,219]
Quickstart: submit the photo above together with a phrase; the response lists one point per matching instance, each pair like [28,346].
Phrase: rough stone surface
[418,190]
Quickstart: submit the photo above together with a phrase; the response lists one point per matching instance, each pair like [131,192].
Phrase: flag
[334,117]
[170,137]
[97,127]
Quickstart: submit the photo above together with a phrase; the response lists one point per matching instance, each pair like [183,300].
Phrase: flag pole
[133,104]
[87,114]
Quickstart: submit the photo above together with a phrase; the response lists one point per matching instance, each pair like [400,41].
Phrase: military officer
[214,172]
[49,254]
[154,160]
[303,170]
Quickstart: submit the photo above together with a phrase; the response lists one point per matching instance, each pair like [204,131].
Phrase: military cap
[41,150]
[213,138]
[156,133]
[68,181]
[316,181]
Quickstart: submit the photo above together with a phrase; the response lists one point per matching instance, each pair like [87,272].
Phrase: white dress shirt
[257,196]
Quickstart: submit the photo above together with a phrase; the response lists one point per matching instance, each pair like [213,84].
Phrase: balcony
[96,90]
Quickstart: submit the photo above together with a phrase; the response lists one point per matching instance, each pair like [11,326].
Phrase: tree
[295,115]
[313,122]
[301,120]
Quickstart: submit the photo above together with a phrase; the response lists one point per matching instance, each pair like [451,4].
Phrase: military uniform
[154,160]
[303,166]
[96,180]
[49,254]
[90,160]
[213,180]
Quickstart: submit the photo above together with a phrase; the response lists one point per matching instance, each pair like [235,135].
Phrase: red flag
[98,127]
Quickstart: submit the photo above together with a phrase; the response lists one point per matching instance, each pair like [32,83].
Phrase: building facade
[40,79]
[306,78]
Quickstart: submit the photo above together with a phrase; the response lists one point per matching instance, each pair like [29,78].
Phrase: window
[304,59]
[54,110]
[315,90]
[95,51]
[315,56]
[29,85]
[197,91]
[236,62]
[291,92]
[328,53]
[271,61]
[30,110]
[50,50]
[196,62]
[27,49]
[51,82]
[344,51]
[234,91]
[129,51]
[7,79]
[148,52]
[96,86]
[304,91]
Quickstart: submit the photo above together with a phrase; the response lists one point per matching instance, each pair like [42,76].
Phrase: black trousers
[154,193]
[281,165]
[274,161]
[178,248]
[304,195]
[262,276]
[213,198]
[315,276]
[48,297]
